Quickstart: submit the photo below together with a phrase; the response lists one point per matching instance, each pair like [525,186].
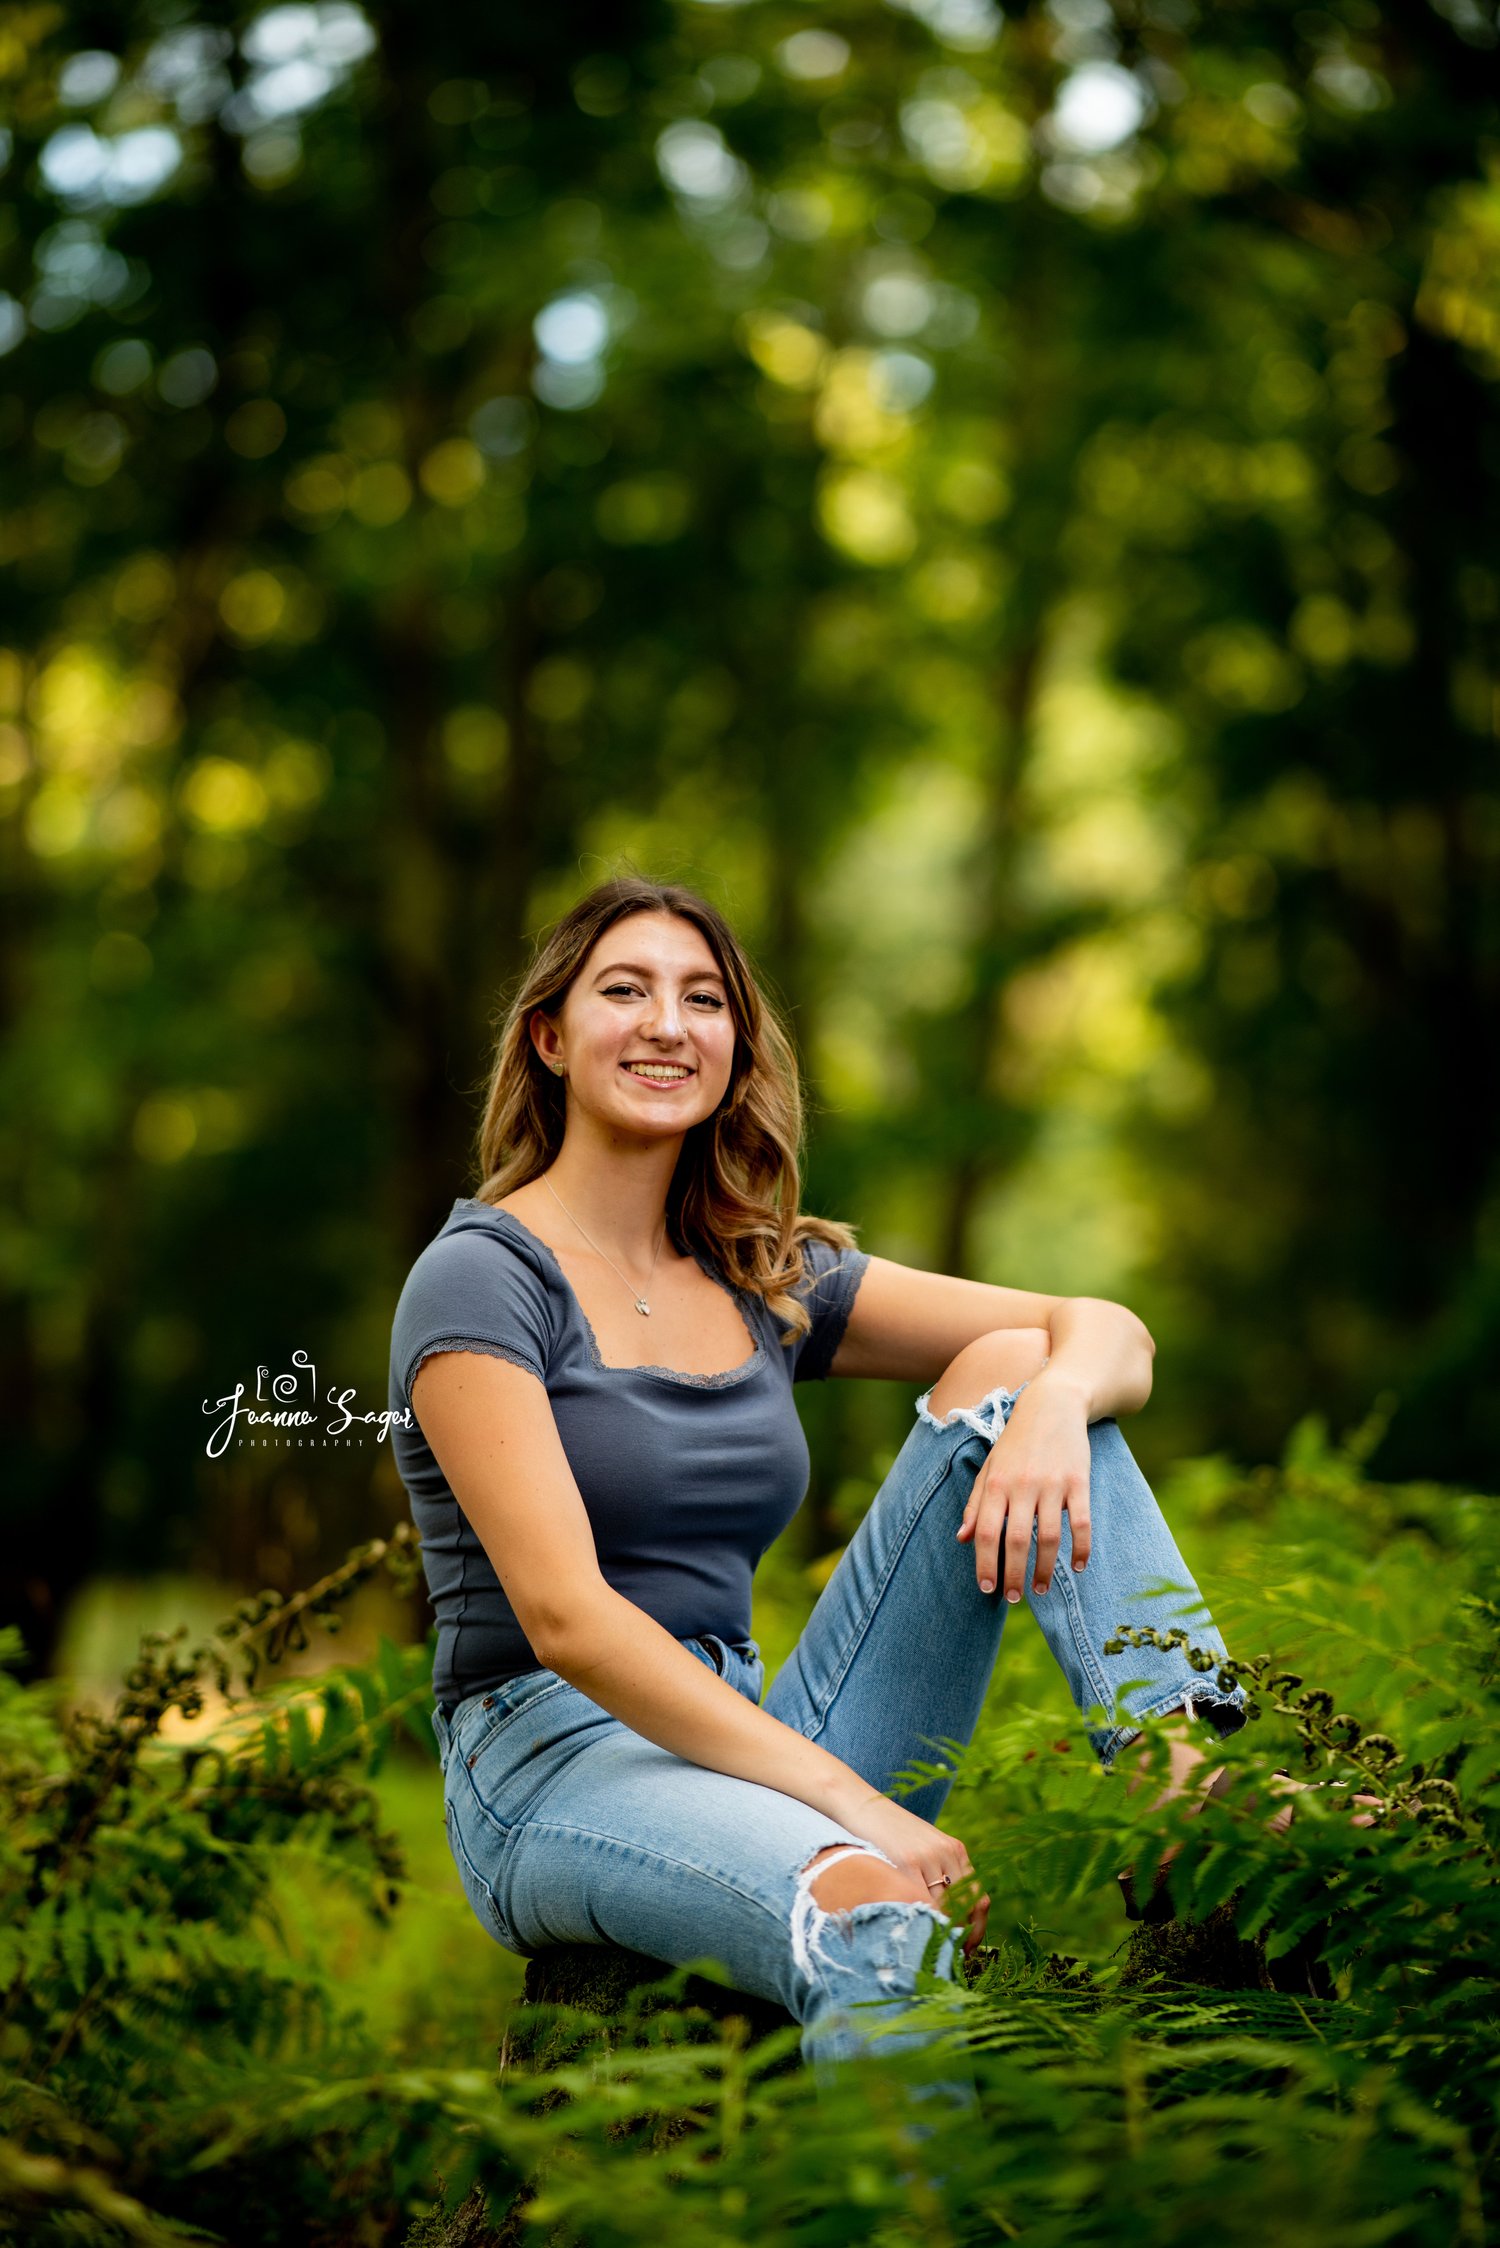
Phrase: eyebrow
[632,967]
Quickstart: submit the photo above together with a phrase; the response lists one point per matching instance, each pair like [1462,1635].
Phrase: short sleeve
[830,1284]
[471,1290]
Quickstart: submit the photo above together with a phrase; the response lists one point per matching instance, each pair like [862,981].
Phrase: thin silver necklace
[641,1304]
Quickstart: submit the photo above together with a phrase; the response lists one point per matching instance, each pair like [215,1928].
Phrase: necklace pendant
[643,1307]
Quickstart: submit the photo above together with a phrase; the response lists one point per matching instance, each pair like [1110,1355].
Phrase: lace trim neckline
[724,1380]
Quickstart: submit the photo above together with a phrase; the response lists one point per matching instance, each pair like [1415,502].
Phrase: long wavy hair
[734,1194]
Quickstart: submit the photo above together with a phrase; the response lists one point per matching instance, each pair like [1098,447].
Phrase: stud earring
[558,1067]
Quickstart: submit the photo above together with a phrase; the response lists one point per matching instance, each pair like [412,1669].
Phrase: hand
[1038,1464]
[929,1856]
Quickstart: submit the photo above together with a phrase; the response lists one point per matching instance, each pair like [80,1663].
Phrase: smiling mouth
[658,1073]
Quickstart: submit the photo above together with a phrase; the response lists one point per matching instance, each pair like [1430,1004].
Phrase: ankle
[1188,1766]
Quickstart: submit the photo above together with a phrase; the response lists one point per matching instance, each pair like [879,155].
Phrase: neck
[618,1193]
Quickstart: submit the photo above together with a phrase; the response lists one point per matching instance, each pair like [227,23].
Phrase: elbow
[551,1637]
[564,1634]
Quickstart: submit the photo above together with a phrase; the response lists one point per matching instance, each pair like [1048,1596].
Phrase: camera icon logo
[299,1386]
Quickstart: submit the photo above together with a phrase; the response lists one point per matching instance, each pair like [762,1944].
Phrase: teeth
[663,1072]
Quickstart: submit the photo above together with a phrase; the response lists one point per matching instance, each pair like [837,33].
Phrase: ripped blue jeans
[567,1827]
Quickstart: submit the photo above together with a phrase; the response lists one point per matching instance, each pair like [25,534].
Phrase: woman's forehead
[653,943]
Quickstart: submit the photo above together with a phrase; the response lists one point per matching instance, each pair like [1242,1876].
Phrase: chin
[669,1125]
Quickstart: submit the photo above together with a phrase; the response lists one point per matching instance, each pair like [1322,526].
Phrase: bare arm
[907,1325]
[492,1431]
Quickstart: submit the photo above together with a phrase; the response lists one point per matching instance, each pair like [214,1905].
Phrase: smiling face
[645,1033]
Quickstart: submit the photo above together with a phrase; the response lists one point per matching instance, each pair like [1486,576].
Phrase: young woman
[599,1349]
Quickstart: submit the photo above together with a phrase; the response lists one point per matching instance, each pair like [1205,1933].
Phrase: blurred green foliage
[241,1988]
[1004,499]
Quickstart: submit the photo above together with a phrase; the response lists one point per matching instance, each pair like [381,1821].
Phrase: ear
[545,1039]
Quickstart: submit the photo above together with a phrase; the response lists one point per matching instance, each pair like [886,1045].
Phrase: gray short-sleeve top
[686,1478]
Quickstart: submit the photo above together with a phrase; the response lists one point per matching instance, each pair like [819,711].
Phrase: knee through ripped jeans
[567,1827]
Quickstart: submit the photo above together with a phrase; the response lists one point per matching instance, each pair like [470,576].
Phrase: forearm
[1104,1352]
[625,1661]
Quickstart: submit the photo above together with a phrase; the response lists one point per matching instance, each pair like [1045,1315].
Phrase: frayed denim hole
[809,1918]
[882,1922]
[986,1419]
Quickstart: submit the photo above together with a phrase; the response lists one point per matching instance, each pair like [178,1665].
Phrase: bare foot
[1282,1783]
[1187,1761]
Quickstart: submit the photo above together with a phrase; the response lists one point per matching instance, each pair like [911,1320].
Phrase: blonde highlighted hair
[734,1194]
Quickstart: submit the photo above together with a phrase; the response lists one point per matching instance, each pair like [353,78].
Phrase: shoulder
[479,1242]
[831,1260]
[480,1281]
[832,1267]
[822,1257]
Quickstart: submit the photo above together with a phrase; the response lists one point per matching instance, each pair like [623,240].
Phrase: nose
[664,1019]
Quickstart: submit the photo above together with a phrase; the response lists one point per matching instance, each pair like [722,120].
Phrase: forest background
[1003,499]
[1005,502]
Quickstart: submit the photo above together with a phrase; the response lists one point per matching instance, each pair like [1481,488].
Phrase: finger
[1048,1537]
[973,1504]
[1080,1523]
[1018,1528]
[956,1900]
[975,1912]
[940,1886]
[988,1533]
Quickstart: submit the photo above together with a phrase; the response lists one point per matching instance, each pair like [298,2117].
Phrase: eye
[610,990]
[716,1003]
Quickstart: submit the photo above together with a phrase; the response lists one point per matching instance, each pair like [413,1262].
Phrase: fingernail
[1012,1596]
[986,1584]
[1041,1588]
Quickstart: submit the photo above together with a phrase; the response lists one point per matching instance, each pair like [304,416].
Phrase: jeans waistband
[707,1640]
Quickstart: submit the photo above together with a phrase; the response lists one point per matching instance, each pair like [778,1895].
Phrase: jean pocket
[477,1720]
[509,1770]
[475,1887]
